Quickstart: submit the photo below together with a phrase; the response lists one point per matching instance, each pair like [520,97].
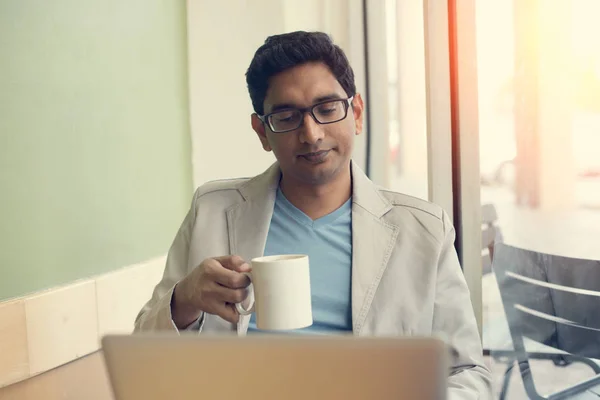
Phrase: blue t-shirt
[328,243]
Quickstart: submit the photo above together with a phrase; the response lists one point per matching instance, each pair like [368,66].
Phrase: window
[409,98]
[538,67]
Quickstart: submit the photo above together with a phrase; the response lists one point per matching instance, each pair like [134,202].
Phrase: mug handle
[239,307]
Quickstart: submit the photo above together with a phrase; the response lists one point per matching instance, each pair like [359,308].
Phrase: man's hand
[212,287]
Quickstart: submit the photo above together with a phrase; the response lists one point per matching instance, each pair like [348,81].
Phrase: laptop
[157,367]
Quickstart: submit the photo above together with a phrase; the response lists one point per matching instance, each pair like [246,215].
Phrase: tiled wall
[83,379]
[48,329]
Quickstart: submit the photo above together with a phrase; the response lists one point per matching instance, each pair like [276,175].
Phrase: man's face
[313,153]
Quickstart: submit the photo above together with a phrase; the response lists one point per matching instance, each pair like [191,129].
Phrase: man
[382,263]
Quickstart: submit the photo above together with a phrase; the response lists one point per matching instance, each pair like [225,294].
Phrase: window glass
[539,129]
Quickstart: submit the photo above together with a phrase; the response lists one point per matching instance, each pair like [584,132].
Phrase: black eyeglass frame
[265,119]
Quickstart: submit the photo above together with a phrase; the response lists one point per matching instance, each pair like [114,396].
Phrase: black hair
[285,51]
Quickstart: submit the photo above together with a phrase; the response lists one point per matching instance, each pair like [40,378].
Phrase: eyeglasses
[325,112]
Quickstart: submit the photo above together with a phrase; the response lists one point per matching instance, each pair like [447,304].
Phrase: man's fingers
[228,295]
[232,280]
[228,313]
[224,283]
[234,263]
[224,276]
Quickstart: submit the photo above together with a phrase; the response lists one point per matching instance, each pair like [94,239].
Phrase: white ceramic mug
[281,288]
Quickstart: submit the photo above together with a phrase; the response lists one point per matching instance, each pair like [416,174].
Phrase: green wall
[95,169]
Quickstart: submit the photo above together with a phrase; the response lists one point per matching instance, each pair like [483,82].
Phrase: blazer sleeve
[156,313]
[454,320]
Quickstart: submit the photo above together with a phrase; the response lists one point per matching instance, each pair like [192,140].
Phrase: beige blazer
[406,277]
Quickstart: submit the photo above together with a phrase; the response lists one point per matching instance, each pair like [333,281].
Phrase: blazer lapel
[248,222]
[372,243]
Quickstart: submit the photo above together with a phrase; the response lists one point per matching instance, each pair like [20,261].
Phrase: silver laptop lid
[153,367]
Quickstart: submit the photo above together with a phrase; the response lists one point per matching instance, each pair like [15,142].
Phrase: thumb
[229,313]
[234,263]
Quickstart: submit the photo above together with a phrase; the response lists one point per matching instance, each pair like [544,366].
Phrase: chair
[490,234]
[553,302]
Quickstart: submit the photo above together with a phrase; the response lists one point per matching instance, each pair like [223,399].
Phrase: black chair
[554,301]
